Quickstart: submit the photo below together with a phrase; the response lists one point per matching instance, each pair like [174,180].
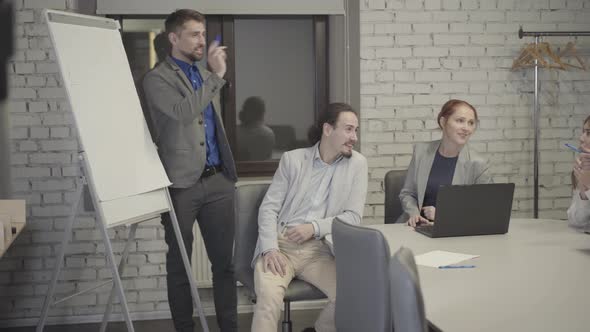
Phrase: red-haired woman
[442,162]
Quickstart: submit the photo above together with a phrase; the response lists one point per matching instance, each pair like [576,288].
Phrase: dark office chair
[362,279]
[406,296]
[285,136]
[393,184]
[247,201]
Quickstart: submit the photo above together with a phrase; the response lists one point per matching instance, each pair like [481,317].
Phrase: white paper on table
[439,258]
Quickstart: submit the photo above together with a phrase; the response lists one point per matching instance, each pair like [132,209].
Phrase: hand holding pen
[581,167]
[583,159]
[583,176]
[216,57]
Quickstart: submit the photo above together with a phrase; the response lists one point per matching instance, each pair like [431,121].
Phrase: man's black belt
[211,170]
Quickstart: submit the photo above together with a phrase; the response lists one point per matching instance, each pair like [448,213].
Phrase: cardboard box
[12,221]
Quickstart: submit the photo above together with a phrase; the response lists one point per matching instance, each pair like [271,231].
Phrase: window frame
[223,25]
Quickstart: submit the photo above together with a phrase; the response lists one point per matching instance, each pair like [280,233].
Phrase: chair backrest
[362,279]
[393,184]
[247,201]
[284,136]
[406,296]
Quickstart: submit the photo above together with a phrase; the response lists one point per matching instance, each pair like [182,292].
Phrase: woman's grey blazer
[471,168]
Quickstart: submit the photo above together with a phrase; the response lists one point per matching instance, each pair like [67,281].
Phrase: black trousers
[211,202]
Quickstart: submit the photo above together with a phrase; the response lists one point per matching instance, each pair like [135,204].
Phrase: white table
[535,278]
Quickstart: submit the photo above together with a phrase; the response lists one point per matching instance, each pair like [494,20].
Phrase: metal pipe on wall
[536,111]
[6,40]
[5,178]
[522,33]
[536,104]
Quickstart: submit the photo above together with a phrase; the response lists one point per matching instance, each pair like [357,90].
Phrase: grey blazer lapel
[460,175]
[341,174]
[216,105]
[203,71]
[304,179]
[179,73]
[424,170]
[188,85]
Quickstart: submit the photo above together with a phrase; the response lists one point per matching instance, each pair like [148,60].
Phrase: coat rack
[536,110]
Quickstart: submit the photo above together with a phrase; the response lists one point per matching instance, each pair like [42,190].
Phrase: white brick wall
[464,49]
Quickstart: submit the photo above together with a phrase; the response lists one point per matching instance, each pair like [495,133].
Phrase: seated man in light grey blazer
[442,162]
[310,188]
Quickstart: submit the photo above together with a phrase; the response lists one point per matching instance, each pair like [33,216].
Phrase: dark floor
[301,319]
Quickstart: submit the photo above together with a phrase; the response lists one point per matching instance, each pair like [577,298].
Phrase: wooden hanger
[541,52]
[526,56]
[556,60]
[570,51]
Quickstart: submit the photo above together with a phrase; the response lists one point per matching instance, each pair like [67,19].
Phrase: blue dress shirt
[192,72]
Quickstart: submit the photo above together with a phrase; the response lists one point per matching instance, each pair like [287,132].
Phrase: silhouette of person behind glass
[162,45]
[255,139]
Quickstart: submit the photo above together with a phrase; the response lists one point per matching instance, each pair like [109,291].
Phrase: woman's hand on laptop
[416,220]
[429,212]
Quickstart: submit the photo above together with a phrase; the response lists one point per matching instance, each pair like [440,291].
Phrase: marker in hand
[573,148]
[216,57]
[217,42]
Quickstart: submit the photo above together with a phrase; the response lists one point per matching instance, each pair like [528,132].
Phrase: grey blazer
[176,111]
[346,198]
[471,169]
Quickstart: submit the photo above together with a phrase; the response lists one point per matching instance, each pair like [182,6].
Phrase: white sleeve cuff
[316,229]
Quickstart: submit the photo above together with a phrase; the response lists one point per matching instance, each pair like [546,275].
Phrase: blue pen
[575,149]
[456,267]
[218,39]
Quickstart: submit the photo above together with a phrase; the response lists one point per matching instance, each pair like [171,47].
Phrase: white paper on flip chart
[438,258]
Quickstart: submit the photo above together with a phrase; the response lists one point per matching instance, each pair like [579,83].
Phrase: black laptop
[478,209]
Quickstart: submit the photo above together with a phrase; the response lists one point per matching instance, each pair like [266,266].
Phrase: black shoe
[309,329]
